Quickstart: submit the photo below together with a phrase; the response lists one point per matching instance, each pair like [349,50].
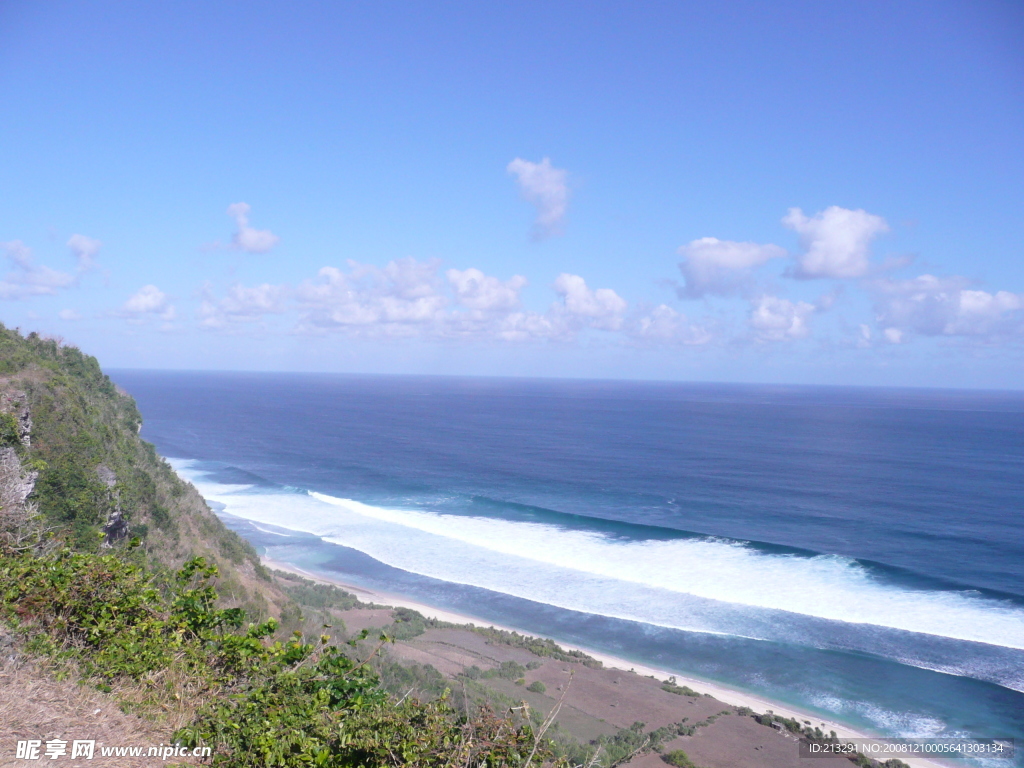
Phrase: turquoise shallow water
[856,552]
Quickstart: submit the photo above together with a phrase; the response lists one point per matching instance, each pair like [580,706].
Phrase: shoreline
[721,692]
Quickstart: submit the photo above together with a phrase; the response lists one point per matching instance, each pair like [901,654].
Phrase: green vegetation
[10,431]
[537,646]
[809,734]
[537,687]
[679,690]
[109,616]
[678,758]
[508,670]
[324,597]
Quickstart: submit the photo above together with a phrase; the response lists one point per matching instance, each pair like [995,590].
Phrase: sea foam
[708,585]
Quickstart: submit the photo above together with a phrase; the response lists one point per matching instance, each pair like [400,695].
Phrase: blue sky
[743,191]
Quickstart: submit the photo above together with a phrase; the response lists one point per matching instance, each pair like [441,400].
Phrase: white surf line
[724,694]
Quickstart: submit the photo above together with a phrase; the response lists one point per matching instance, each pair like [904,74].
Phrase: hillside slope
[71,439]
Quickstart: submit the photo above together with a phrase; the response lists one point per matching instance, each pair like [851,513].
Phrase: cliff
[70,450]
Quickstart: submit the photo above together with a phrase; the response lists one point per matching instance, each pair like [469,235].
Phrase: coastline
[723,693]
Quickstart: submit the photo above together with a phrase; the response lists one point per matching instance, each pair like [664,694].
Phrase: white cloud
[399,300]
[148,301]
[69,314]
[475,290]
[893,335]
[721,267]
[408,298]
[546,187]
[85,249]
[602,308]
[836,241]
[247,238]
[28,278]
[528,326]
[944,306]
[665,324]
[579,308]
[241,304]
[776,319]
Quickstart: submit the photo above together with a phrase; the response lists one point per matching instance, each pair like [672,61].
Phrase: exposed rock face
[106,475]
[25,422]
[116,526]
[15,483]
[15,486]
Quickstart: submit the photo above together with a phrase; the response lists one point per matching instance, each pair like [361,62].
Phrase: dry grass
[35,704]
[166,696]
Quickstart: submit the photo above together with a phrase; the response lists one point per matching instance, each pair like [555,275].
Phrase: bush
[10,431]
[679,690]
[537,687]
[678,758]
[507,670]
[106,613]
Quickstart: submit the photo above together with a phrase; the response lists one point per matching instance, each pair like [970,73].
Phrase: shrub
[10,431]
[678,758]
[537,687]
[107,613]
[507,670]
[629,741]
[679,690]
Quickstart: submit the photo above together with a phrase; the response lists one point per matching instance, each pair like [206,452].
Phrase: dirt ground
[36,705]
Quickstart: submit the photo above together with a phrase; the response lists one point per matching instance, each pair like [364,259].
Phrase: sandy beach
[719,692]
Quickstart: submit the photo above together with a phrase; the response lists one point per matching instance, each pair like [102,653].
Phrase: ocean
[853,552]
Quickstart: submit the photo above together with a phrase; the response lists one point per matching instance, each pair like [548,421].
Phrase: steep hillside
[70,447]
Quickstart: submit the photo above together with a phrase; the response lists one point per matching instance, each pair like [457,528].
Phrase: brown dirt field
[737,742]
[358,619]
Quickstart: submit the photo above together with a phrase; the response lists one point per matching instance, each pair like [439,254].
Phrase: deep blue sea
[854,552]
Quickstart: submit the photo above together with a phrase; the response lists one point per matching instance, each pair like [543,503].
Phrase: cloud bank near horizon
[734,296]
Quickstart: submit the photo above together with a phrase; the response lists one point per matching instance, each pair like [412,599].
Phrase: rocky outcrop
[15,487]
[16,483]
[116,527]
